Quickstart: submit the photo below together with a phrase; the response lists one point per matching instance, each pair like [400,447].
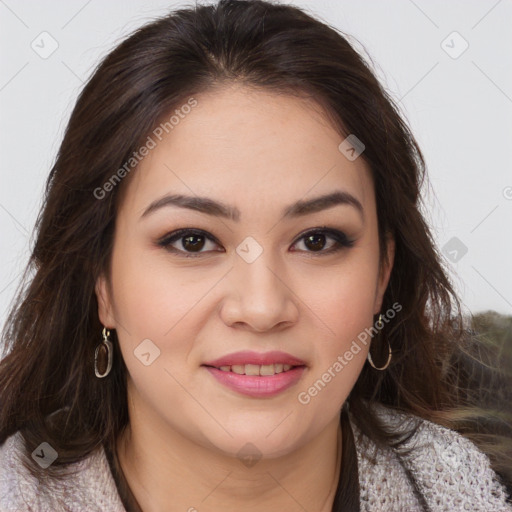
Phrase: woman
[230,226]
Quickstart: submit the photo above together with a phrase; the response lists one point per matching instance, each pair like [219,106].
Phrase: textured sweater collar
[447,469]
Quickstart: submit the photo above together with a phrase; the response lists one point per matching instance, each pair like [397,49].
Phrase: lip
[258,386]
[259,358]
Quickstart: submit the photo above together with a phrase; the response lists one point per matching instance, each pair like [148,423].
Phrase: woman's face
[258,268]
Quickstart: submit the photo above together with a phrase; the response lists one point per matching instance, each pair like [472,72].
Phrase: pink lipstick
[259,375]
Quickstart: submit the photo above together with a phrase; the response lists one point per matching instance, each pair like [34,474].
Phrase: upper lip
[258,358]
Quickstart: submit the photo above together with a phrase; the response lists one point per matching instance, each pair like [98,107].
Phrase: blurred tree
[483,371]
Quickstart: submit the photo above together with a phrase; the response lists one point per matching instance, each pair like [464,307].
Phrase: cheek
[345,297]
[348,314]
[344,302]
[152,307]
[163,303]
[151,295]
[340,353]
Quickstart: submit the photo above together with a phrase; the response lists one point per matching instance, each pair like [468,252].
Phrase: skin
[259,152]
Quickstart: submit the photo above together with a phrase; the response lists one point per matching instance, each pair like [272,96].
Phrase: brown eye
[315,242]
[193,242]
[188,242]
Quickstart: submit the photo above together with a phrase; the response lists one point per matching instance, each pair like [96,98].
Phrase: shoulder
[89,484]
[450,471]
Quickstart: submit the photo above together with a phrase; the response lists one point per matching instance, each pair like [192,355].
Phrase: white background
[460,111]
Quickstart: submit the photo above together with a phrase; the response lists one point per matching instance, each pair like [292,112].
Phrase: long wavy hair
[48,389]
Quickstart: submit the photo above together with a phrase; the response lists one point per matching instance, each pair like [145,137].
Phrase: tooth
[255,369]
[252,369]
[267,369]
[238,368]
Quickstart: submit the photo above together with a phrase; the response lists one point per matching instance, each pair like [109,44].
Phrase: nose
[260,297]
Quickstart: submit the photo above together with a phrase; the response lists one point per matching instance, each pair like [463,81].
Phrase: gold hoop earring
[107,350]
[380,325]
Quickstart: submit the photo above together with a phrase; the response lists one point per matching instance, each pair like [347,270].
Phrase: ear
[386,265]
[105,306]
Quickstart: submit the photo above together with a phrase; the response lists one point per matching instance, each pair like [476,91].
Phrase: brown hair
[53,328]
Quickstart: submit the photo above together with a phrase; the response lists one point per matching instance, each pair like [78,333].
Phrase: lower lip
[258,386]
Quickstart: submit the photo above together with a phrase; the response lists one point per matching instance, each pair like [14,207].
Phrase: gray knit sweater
[452,474]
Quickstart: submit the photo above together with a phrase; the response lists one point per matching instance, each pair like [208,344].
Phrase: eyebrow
[218,209]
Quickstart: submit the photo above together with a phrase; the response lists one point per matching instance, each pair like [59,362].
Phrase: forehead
[243,145]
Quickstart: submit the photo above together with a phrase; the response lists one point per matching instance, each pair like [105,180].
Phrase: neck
[162,470]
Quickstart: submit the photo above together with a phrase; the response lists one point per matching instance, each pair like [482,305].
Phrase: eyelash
[342,241]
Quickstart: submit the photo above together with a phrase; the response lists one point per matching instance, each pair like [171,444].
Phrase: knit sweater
[451,473]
